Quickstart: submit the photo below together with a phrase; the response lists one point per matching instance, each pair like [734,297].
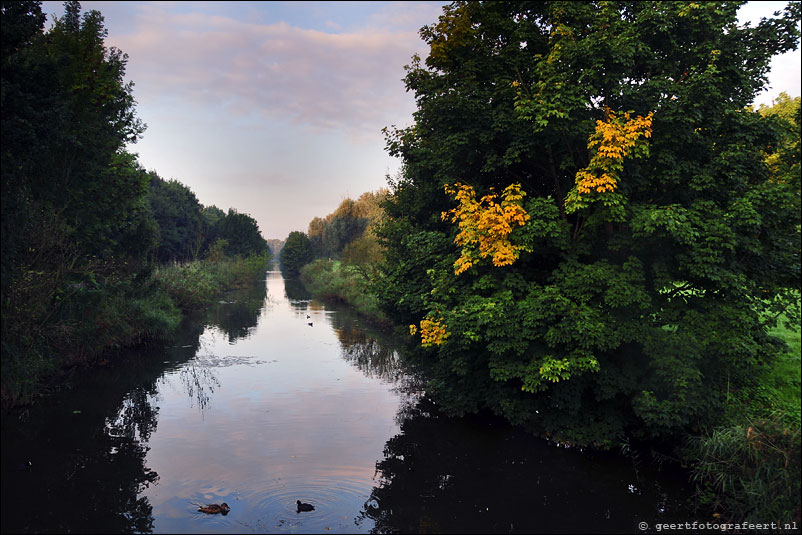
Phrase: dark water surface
[254,407]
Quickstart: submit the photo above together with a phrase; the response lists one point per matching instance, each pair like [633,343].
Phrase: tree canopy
[82,221]
[589,236]
[242,234]
[296,253]
[351,220]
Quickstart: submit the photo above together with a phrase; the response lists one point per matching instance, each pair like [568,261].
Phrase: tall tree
[75,221]
[241,231]
[296,253]
[586,234]
[178,214]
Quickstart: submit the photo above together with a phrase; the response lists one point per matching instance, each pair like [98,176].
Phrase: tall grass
[93,317]
[750,472]
[748,469]
[195,284]
[334,281]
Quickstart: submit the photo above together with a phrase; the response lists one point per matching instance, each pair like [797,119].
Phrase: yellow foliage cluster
[433,332]
[617,137]
[486,225]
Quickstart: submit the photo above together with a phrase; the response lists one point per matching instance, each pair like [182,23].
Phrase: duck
[308,316]
[310,323]
[302,507]
[214,509]
[22,467]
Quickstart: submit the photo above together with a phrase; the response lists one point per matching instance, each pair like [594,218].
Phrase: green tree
[343,226]
[656,246]
[212,217]
[364,254]
[178,214]
[316,233]
[76,223]
[786,157]
[296,253]
[241,231]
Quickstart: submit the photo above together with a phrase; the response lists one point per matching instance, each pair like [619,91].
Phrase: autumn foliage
[485,225]
[615,138]
[631,290]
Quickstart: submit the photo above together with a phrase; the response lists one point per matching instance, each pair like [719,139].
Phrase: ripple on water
[335,498]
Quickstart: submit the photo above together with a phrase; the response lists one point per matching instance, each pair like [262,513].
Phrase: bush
[749,472]
[330,279]
[194,284]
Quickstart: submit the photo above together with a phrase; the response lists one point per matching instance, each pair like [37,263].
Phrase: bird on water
[214,509]
[304,506]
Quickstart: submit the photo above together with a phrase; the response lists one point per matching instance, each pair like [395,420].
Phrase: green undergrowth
[332,280]
[748,468]
[93,318]
[194,284]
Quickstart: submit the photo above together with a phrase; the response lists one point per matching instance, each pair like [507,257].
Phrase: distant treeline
[187,229]
[346,234]
[85,228]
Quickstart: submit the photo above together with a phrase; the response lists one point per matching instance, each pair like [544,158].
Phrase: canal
[269,397]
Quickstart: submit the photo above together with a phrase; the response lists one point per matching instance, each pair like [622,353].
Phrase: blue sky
[276,108]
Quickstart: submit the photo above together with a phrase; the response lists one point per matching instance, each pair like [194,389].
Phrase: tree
[331,235]
[296,253]
[76,224]
[364,254]
[343,226]
[316,232]
[645,245]
[242,233]
[211,216]
[178,214]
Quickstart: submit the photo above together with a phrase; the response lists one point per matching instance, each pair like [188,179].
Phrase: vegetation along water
[576,308]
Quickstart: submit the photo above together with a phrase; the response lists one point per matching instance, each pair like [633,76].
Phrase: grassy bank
[334,281]
[745,469]
[96,317]
[748,469]
[194,284]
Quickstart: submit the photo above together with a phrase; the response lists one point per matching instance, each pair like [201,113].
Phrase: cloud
[349,82]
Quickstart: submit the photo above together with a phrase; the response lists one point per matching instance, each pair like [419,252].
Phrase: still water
[253,406]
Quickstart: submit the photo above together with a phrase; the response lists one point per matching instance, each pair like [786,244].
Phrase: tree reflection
[106,423]
[478,475]
[373,352]
[295,290]
[237,313]
[199,383]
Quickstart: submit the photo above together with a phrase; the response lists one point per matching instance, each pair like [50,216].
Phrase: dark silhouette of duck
[24,467]
[308,316]
[310,323]
[214,509]
[304,507]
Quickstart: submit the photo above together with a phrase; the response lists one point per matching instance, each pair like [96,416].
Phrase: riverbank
[331,280]
[746,468]
[93,321]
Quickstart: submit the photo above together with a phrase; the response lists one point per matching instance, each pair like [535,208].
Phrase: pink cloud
[349,82]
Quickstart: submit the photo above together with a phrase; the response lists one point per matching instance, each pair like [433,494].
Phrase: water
[254,407]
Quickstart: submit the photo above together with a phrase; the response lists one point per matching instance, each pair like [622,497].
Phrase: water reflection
[237,314]
[478,475]
[87,453]
[295,290]
[199,383]
[295,413]
[369,349]
[87,447]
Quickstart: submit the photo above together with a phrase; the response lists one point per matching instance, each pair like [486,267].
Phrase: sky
[276,108]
